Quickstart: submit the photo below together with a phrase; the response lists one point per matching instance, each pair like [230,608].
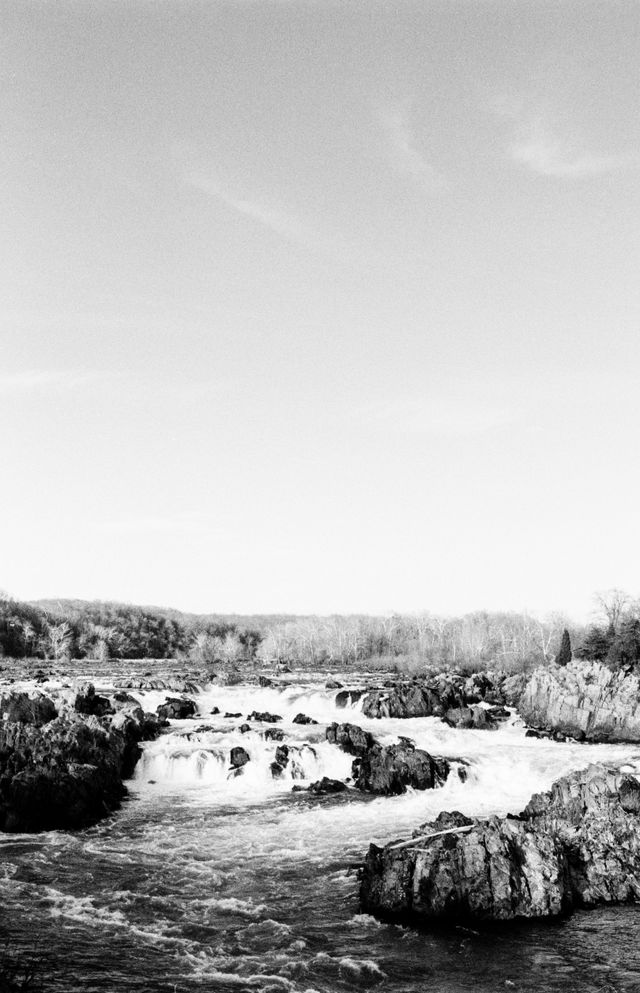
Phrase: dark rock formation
[273,734]
[391,769]
[238,757]
[265,682]
[576,846]
[22,708]
[88,702]
[303,719]
[436,696]
[470,717]
[584,699]
[177,709]
[403,700]
[333,684]
[282,754]
[245,728]
[350,738]
[69,772]
[326,785]
[346,697]
[264,717]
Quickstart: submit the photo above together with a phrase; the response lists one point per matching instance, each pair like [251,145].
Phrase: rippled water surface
[205,882]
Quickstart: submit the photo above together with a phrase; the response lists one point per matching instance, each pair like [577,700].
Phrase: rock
[346,697]
[245,728]
[273,734]
[264,717]
[122,701]
[531,733]
[265,682]
[390,769]
[177,709]
[69,772]
[333,684]
[232,715]
[282,754]
[216,710]
[22,708]
[326,785]
[404,700]
[277,771]
[584,699]
[303,719]
[470,717]
[350,738]
[576,846]
[88,702]
[513,687]
[238,757]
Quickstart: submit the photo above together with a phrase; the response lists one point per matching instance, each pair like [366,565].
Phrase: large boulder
[576,846]
[402,700]
[389,770]
[177,708]
[90,703]
[350,738]
[24,709]
[585,700]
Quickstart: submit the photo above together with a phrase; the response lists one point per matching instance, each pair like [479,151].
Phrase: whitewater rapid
[214,881]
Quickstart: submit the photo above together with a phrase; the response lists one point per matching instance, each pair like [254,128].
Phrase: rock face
[326,785]
[264,717]
[350,738]
[22,708]
[584,700]
[67,773]
[436,696]
[391,769]
[576,846]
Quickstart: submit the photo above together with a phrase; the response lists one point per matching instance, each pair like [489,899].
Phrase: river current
[206,881]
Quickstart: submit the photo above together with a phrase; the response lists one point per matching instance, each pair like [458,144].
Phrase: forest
[59,629]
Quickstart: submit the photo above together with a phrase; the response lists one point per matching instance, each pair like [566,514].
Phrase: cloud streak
[542,152]
[403,155]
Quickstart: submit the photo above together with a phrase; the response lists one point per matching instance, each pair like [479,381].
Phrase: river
[206,881]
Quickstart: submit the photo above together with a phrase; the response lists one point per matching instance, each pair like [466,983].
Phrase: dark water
[204,883]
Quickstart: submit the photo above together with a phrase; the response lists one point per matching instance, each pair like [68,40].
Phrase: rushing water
[206,881]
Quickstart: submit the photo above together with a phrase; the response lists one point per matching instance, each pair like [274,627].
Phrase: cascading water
[220,878]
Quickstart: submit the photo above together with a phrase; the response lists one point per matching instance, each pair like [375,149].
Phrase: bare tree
[613,604]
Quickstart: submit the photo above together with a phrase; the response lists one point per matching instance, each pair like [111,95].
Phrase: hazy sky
[320,306]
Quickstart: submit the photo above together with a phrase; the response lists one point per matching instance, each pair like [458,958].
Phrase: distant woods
[58,630]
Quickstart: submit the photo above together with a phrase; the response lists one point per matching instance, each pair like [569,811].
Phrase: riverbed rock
[474,716]
[177,709]
[350,738]
[402,700]
[264,717]
[390,769]
[584,699]
[303,719]
[333,684]
[327,785]
[345,698]
[87,701]
[25,709]
[238,757]
[273,734]
[577,845]
[282,754]
[69,772]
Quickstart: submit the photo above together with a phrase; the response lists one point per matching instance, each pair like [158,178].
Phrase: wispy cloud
[538,148]
[404,157]
[32,380]
[451,415]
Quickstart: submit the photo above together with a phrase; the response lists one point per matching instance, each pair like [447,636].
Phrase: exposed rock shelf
[576,846]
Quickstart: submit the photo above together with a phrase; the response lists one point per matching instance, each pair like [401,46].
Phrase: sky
[320,306]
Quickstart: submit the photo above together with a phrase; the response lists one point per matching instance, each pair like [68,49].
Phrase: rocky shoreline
[577,845]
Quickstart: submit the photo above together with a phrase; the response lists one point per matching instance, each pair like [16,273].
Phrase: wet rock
[303,719]
[470,717]
[264,717]
[245,728]
[277,771]
[273,734]
[238,757]
[403,700]
[177,709]
[227,714]
[576,846]
[390,769]
[532,733]
[584,698]
[265,682]
[347,697]
[69,772]
[214,711]
[350,738]
[122,701]
[326,785]
[22,708]
[282,754]
[333,684]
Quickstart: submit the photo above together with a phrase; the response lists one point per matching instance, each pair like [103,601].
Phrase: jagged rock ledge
[62,767]
[576,846]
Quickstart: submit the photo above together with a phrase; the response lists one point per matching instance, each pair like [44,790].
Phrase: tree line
[95,630]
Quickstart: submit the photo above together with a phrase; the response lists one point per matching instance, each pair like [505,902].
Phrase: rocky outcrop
[264,717]
[576,846]
[326,786]
[303,719]
[23,709]
[389,770]
[434,697]
[238,757]
[585,700]
[69,772]
[350,738]
[177,708]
